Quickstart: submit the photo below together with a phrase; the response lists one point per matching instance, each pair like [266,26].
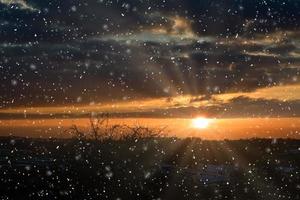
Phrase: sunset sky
[153,60]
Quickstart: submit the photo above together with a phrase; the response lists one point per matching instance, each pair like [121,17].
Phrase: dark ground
[147,168]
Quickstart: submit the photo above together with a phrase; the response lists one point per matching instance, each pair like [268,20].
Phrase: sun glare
[201,122]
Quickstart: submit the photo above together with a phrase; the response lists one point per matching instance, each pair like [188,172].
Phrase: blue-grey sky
[81,53]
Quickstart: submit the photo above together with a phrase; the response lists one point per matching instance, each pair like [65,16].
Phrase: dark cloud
[51,20]
[247,107]
[235,108]
[77,52]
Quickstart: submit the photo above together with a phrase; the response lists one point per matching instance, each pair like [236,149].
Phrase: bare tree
[137,132]
[99,125]
[101,130]
[76,133]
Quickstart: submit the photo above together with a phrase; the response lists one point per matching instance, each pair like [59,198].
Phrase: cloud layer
[58,53]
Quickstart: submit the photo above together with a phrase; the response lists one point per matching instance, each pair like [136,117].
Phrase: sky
[157,59]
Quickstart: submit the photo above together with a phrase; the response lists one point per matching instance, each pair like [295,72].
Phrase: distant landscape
[148,166]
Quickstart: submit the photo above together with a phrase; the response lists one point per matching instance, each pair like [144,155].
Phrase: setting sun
[201,122]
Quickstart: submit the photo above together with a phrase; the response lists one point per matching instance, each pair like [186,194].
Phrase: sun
[201,122]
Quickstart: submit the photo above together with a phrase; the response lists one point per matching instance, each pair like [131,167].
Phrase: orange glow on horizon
[239,128]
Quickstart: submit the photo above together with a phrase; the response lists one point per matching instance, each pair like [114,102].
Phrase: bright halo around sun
[201,122]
